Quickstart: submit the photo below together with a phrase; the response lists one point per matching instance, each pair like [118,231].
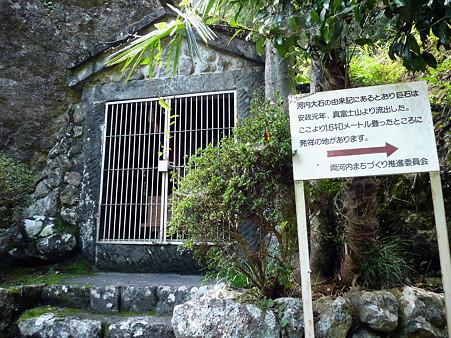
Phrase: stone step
[59,322]
[115,299]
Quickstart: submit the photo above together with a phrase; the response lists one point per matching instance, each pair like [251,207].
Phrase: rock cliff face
[40,41]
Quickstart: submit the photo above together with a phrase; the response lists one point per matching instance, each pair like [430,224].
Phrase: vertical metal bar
[106,143]
[156,176]
[123,173]
[139,173]
[149,171]
[114,170]
[132,220]
[152,152]
[165,179]
[201,122]
[218,113]
[112,156]
[126,206]
[117,169]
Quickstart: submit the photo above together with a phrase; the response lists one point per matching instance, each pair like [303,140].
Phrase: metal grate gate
[143,143]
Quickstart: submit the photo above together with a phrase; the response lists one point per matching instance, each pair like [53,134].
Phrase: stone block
[138,298]
[290,313]
[208,317]
[7,307]
[147,326]
[55,246]
[73,296]
[377,309]
[73,178]
[27,296]
[69,195]
[421,313]
[170,296]
[105,299]
[334,317]
[51,325]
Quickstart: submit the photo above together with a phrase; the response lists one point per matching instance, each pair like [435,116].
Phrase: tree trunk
[323,226]
[359,199]
[328,73]
[279,75]
[360,225]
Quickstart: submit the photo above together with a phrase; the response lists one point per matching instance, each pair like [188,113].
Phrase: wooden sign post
[368,131]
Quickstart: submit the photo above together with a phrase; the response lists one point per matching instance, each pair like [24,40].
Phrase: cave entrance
[143,144]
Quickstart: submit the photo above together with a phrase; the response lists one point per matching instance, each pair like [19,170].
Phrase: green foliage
[371,69]
[430,18]
[237,196]
[324,30]
[389,264]
[439,80]
[167,38]
[15,186]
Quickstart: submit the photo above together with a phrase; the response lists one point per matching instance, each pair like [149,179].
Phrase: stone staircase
[120,309]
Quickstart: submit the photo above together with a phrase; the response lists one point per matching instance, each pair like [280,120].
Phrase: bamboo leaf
[177,54]
[163,104]
[170,54]
[161,25]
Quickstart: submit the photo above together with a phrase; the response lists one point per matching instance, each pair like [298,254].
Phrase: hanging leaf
[163,104]
[259,46]
[336,5]
[338,29]
[315,17]
[429,59]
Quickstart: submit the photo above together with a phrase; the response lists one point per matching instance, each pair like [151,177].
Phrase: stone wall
[69,186]
[223,72]
[40,41]
[406,312]
[206,311]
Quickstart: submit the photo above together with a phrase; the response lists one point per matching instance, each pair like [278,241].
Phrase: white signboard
[380,130]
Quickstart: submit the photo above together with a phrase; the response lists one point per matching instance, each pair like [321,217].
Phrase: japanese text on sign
[363,132]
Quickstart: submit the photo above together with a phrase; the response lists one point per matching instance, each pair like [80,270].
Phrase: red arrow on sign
[388,149]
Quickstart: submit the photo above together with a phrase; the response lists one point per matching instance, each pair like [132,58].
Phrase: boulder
[69,216]
[51,325]
[38,227]
[73,296]
[7,307]
[56,245]
[377,309]
[43,241]
[334,317]
[73,178]
[69,195]
[207,317]
[220,291]
[105,299]
[146,326]
[421,313]
[8,237]
[170,296]
[138,298]
[290,313]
